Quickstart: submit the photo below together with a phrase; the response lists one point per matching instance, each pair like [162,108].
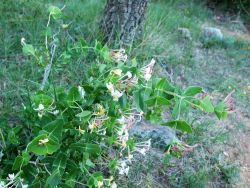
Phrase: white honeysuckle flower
[23,41]
[24,107]
[130,157]
[43,141]
[122,50]
[121,171]
[40,115]
[129,74]
[81,130]
[120,132]
[104,132]
[148,74]
[142,151]
[116,95]
[110,87]
[126,170]
[121,120]
[119,55]
[117,72]
[92,125]
[55,112]
[81,91]
[100,184]
[123,164]
[124,144]
[123,168]
[40,107]
[2,184]
[11,177]
[113,185]
[148,142]
[24,186]
[147,71]
[123,58]
[152,62]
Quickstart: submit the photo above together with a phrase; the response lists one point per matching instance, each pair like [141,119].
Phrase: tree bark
[123,20]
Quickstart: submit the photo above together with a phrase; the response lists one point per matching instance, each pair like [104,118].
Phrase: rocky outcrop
[212,33]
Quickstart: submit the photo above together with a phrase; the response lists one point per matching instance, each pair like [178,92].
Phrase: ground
[219,66]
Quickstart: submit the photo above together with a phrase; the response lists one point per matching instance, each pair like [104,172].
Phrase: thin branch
[48,67]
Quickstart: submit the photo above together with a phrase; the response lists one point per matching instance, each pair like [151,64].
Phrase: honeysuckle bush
[80,135]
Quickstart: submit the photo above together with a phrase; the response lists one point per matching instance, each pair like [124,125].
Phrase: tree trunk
[123,20]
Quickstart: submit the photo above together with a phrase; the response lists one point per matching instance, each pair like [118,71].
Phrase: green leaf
[180,106]
[90,163]
[155,115]
[17,163]
[41,98]
[73,95]
[162,101]
[13,138]
[105,53]
[220,111]
[54,179]
[93,148]
[81,47]
[192,91]
[180,125]
[60,162]
[28,49]
[54,129]
[86,147]
[83,114]
[55,12]
[59,166]
[21,161]
[206,104]
[164,85]
[93,180]
[158,101]
[123,101]
[139,100]
[42,149]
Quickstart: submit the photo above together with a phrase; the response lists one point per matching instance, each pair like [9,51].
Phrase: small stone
[185,33]
[212,32]
[160,136]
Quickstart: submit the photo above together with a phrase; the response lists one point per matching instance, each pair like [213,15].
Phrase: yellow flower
[92,125]
[117,72]
[248,87]
[100,184]
[81,130]
[100,110]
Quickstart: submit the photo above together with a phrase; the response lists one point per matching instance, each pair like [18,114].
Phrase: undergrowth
[203,167]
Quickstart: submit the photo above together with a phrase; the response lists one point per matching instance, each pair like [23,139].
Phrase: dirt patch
[240,150]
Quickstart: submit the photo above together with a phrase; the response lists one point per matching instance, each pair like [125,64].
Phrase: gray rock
[185,33]
[160,136]
[212,33]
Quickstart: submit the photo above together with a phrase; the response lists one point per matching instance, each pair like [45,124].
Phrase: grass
[217,65]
